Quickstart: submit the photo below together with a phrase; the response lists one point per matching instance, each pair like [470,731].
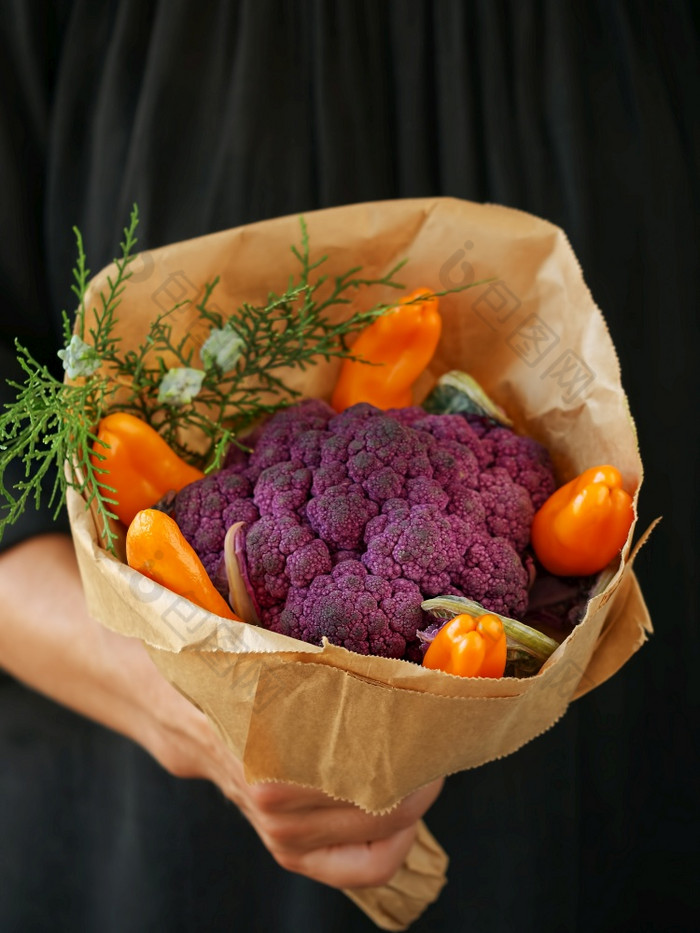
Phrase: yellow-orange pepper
[156,547]
[469,646]
[402,341]
[139,464]
[583,524]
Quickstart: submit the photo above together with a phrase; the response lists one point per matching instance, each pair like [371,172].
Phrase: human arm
[48,641]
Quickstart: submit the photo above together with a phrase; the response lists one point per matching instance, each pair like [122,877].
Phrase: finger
[354,866]
[304,831]
[276,797]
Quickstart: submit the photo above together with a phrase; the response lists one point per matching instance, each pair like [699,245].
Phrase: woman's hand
[333,842]
[305,831]
[48,640]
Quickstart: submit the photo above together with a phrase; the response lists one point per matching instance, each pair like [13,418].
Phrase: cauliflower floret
[269,543]
[356,610]
[206,509]
[508,507]
[419,543]
[275,439]
[527,462]
[494,576]
[339,515]
[282,488]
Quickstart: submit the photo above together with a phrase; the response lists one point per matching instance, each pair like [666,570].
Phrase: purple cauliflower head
[352,519]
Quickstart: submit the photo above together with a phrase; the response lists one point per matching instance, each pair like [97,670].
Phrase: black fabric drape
[213,115]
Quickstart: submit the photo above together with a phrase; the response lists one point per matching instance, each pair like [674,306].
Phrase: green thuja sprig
[50,427]
[207,388]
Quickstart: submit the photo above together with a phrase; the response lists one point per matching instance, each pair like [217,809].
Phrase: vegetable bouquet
[338,716]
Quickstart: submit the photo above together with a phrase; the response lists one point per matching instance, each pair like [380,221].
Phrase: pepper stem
[534,641]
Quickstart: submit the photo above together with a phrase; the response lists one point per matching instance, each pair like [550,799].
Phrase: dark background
[582,113]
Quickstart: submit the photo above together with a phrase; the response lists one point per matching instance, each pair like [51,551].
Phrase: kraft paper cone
[362,728]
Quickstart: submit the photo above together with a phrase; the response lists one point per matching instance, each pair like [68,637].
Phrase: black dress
[211,115]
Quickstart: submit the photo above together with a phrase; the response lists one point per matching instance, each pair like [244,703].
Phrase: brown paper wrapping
[364,729]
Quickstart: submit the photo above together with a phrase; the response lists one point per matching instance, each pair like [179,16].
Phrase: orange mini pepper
[583,524]
[156,547]
[469,647]
[402,341]
[139,464]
